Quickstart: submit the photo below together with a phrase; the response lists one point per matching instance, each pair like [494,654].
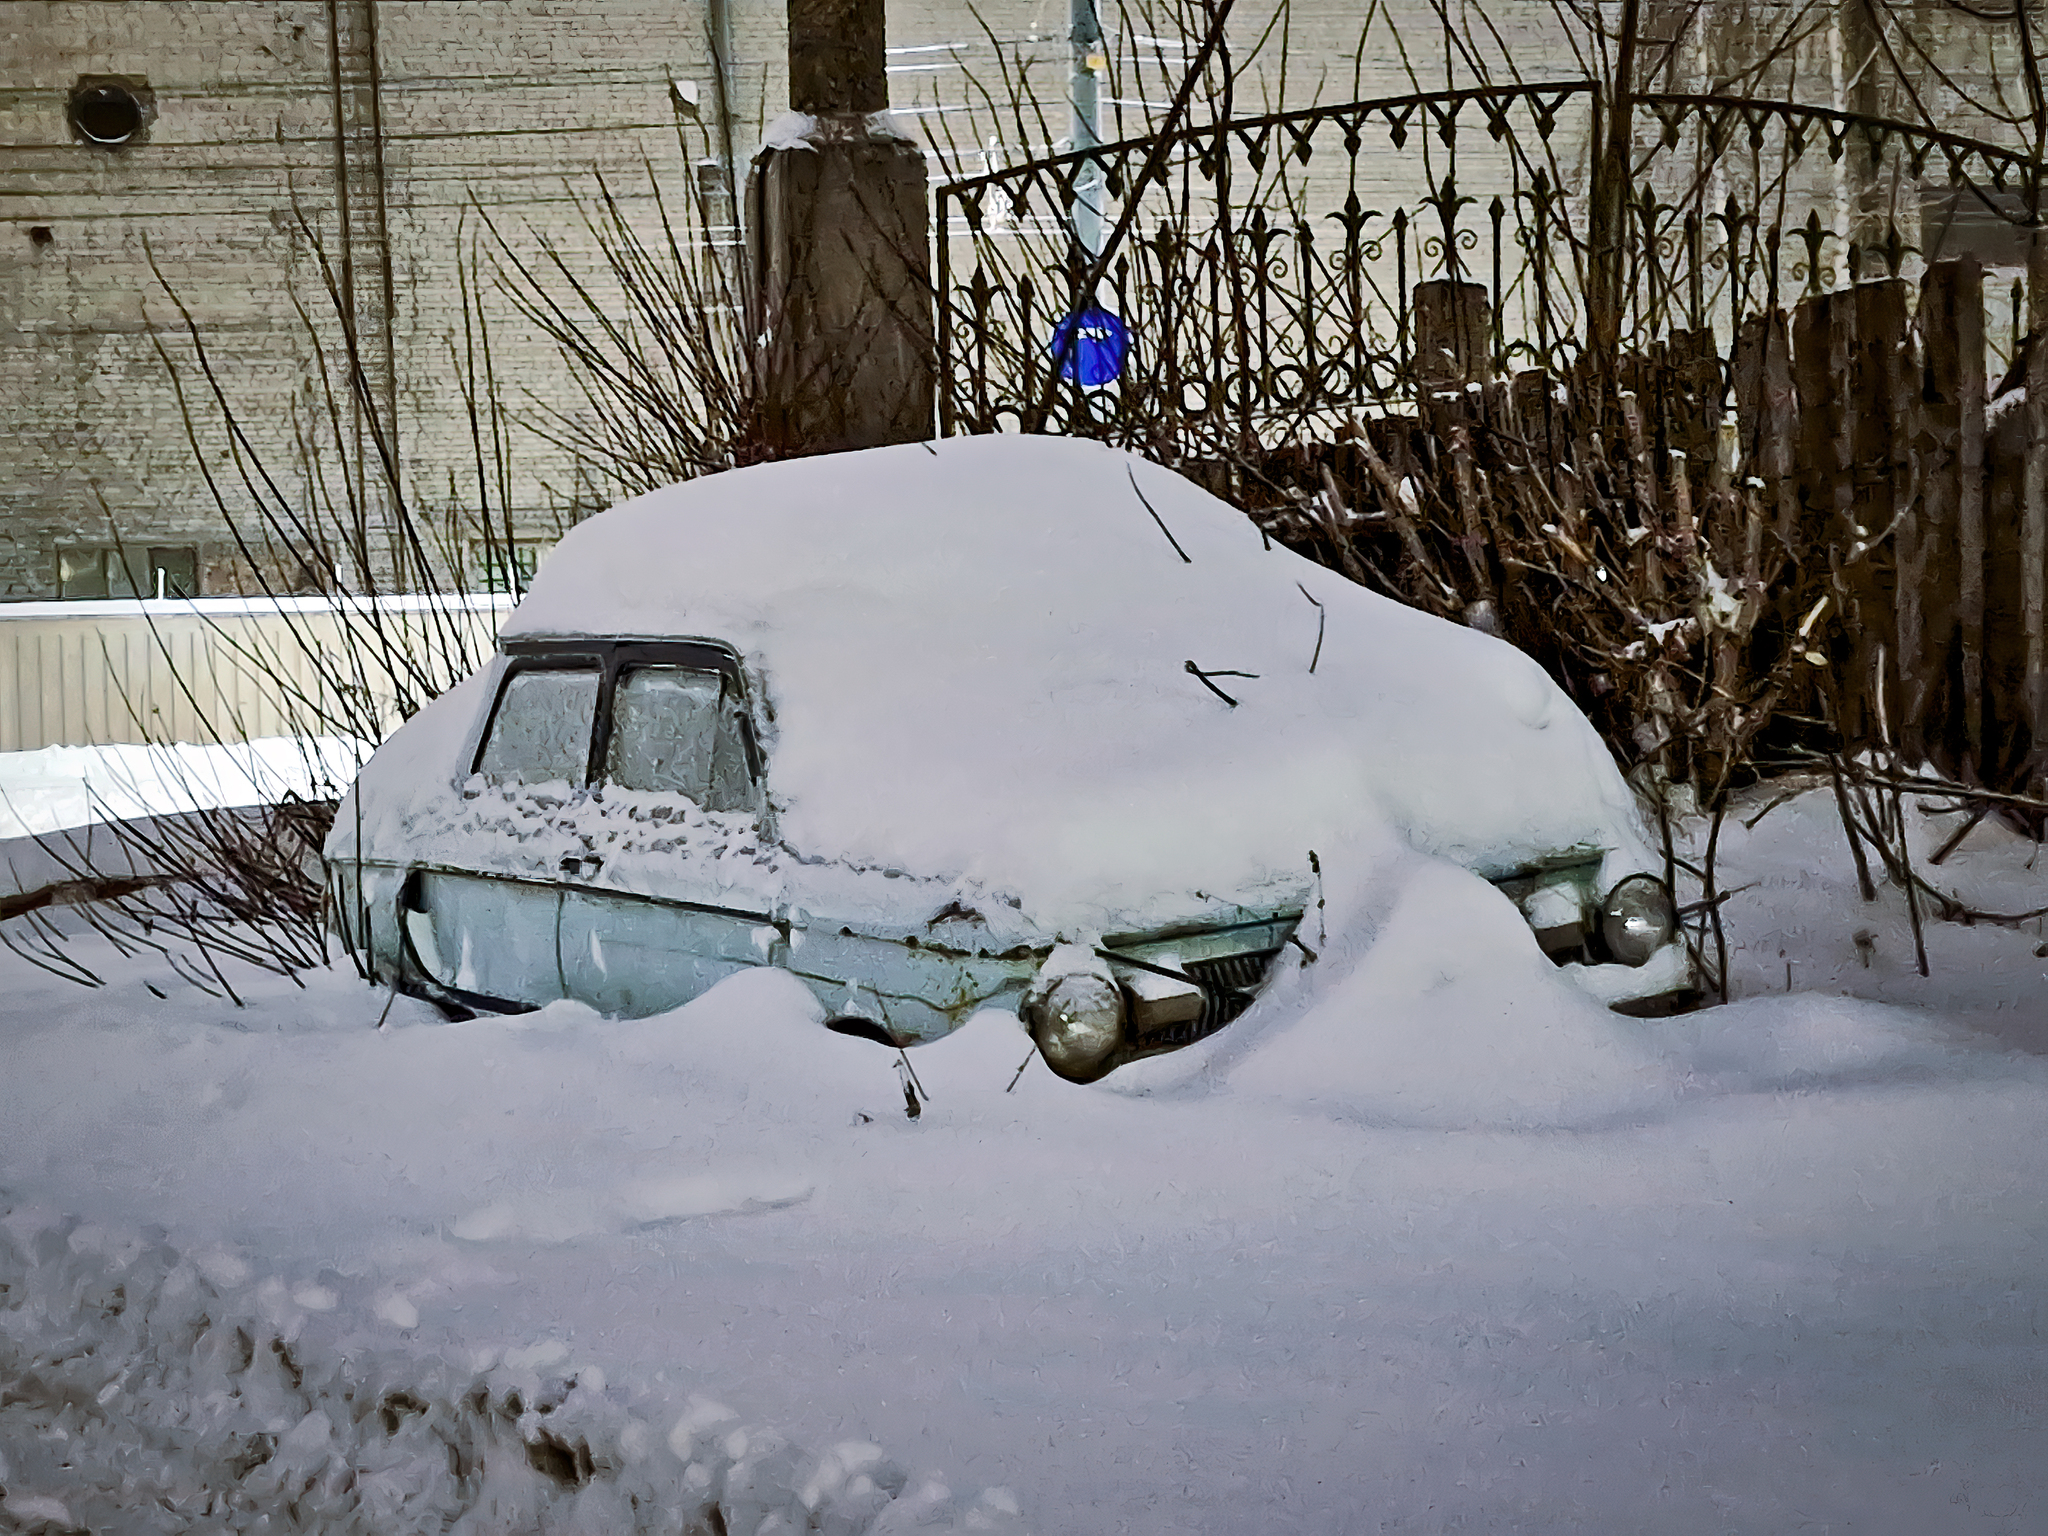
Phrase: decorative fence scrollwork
[1280,270]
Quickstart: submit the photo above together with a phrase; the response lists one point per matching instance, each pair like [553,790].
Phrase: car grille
[1228,985]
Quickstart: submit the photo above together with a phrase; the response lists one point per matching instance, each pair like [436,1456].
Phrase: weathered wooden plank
[2034,514]
[1823,330]
[1879,426]
[1538,420]
[1766,408]
[1971,541]
[1694,392]
[1951,531]
[1453,335]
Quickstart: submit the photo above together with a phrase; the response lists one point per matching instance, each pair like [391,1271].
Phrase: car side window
[677,730]
[541,730]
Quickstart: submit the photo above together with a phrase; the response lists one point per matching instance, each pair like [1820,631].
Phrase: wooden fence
[1896,469]
[1849,457]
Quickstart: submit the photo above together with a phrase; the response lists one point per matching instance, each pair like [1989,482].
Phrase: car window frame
[611,657]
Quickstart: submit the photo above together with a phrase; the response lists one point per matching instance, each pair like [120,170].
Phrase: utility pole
[1859,31]
[1083,88]
[839,226]
[718,34]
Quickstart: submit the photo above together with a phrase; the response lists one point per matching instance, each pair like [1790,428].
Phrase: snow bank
[1808,1042]
[977,653]
[143,1389]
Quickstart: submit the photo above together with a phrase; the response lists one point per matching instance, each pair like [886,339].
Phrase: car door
[675,728]
[487,931]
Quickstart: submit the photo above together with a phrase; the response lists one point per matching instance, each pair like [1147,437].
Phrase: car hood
[976,658]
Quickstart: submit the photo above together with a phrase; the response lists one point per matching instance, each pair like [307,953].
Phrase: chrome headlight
[1077,1020]
[1637,919]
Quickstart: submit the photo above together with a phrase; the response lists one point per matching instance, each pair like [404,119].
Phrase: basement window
[157,570]
[495,567]
[109,111]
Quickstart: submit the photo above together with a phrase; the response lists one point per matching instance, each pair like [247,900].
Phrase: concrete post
[840,225]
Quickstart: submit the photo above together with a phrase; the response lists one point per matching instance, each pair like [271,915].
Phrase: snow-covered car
[1008,719]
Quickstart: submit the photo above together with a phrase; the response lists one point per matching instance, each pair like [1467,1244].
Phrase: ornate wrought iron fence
[1288,268]
[1732,213]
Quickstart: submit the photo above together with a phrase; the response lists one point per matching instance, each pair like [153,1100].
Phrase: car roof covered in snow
[978,656]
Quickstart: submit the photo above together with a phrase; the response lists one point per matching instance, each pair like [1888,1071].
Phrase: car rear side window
[676,730]
[541,730]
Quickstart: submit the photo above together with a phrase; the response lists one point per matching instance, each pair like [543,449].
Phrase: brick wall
[419,118]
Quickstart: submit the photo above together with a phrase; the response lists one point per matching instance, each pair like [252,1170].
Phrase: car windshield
[676,730]
[541,730]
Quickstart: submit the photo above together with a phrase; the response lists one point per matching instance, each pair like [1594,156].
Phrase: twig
[1197,672]
[1157,518]
[904,1057]
[1912,897]
[59,964]
[1749,824]
[1321,618]
[1863,882]
[1022,1065]
[1915,784]
[1719,899]
[1955,837]
[1333,526]
[77,892]
[1713,900]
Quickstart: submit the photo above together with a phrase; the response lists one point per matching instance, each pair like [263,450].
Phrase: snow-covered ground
[1424,1242]
[55,788]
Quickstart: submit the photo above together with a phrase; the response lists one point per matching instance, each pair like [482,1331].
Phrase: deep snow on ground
[1426,1241]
